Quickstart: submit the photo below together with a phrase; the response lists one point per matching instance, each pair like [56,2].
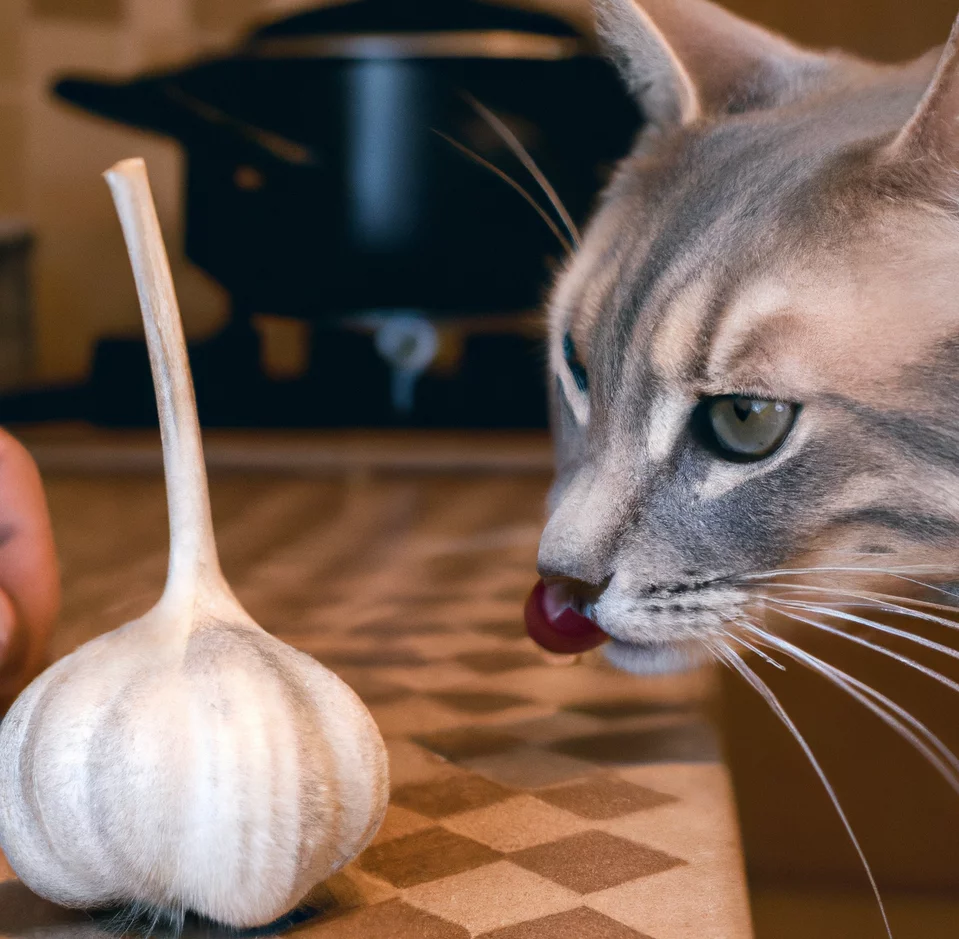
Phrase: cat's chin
[658,659]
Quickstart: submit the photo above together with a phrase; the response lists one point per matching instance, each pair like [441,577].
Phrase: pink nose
[556,626]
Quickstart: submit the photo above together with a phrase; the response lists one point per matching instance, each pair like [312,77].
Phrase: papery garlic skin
[226,774]
[187,761]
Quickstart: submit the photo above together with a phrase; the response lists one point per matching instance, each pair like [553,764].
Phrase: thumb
[11,654]
[8,625]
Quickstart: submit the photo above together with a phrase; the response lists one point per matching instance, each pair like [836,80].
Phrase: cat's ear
[686,58]
[932,133]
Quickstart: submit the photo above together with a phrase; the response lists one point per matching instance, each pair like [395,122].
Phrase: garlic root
[187,761]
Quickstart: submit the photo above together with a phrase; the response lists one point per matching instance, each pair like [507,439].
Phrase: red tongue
[567,631]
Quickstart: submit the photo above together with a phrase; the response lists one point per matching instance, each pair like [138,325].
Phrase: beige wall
[884,29]
[51,157]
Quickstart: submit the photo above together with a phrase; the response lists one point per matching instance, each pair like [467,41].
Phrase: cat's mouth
[648,629]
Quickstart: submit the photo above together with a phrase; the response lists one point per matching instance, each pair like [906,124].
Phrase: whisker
[877,600]
[945,761]
[524,156]
[768,659]
[826,610]
[735,661]
[540,211]
[875,647]
[881,602]
[903,569]
[888,572]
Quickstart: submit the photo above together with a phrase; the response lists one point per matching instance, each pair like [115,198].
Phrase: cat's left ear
[932,133]
[684,59]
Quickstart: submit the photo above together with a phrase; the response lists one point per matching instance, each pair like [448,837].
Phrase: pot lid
[417,29]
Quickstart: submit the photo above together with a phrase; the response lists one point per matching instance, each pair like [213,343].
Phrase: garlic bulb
[187,761]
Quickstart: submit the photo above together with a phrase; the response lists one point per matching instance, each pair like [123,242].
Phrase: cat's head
[755,352]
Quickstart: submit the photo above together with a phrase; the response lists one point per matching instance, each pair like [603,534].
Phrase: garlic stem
[194,564]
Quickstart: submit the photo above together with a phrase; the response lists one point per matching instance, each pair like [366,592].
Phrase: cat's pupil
[573,363]
[747,407]
[742,428]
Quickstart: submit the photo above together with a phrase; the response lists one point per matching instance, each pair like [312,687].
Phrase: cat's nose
[587,573]
[570,554]
[580,540]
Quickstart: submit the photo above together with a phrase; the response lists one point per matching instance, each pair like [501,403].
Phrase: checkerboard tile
[392,920]
[594,861]
[521,822]
[410,763]
[530,800]
[348,890]
[417,714]
[454,643]
[511,628]
[581,923]
[390,629]
[466,743]
[605,797]
[465,899]
[400,822]
[530,767]
[687,742]
[505,660]
[480,702]
[620,708]
[373,691]
[101,12]
[383,656]
[441,676]
[559,725]
[669,906]
[425,856]
[450,796]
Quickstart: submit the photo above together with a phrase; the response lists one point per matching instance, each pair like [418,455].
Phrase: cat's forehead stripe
[586,290]
[666,421]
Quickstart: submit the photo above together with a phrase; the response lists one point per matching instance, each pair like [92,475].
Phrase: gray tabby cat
[755,353]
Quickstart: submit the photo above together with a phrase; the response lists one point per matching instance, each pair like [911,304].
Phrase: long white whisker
[768,659]
[523,155]
[877,597]
[540,211]
[879,601]
[885,606]
[939,755]
[797,572]
[863,621]
[901,569]
[735,661]
[875,647]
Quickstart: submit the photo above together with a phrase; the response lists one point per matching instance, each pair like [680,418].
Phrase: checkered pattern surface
[532,797]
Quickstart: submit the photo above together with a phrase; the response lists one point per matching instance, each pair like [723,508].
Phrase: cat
[754,353]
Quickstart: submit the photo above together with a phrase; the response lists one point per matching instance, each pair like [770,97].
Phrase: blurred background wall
[51,157]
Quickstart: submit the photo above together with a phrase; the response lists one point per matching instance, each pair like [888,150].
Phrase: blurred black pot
[318,184]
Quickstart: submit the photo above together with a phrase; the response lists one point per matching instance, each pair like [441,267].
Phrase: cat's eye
[742,428]
[574,363]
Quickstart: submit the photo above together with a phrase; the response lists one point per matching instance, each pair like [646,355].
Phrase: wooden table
[532,799]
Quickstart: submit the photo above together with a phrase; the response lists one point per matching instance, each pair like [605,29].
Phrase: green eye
[573,363]
[747,428]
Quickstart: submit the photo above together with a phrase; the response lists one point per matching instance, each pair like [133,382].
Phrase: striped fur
[787,227]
